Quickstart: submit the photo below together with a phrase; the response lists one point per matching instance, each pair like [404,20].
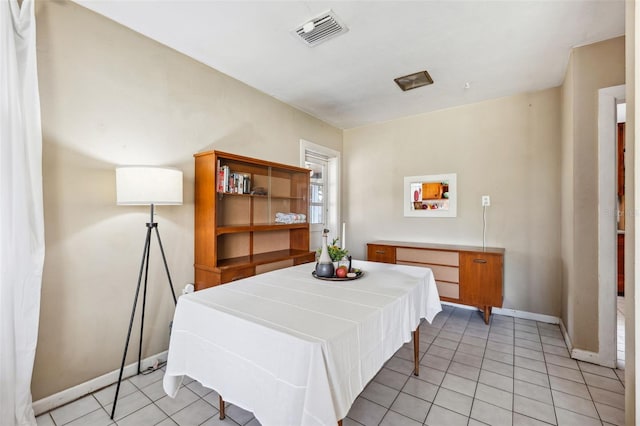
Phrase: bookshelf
[248,217]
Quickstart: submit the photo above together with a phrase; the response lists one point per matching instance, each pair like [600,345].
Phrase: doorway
[621,114]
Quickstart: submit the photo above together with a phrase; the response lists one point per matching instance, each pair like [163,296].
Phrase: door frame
[608,98]
[333,184]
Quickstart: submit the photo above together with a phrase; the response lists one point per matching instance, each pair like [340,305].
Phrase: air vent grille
[413,81]
[325,26]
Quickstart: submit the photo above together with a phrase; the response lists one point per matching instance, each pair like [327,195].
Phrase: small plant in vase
[336,252]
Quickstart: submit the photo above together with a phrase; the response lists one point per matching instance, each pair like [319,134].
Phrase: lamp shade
[144,185]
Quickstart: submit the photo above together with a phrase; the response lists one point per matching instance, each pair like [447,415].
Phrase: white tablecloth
[292,349]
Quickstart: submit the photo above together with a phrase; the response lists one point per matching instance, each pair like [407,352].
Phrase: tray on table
[359,274]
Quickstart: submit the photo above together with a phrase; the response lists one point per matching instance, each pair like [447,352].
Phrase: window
[317,201]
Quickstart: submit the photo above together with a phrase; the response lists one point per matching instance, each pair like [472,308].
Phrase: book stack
[233,183]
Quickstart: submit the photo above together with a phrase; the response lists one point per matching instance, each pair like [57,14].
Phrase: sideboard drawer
[448,290]
[435,257]
[445,273]
[267,267]
[378,253]
[232,274]
[440,273]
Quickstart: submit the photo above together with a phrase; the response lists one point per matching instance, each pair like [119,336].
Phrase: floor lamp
[144,185]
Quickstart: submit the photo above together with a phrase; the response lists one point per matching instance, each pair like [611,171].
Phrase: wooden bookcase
[236,234]
[464,274]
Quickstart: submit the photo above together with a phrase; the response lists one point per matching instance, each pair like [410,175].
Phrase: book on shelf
[247,184]
[220,182]
[225,178]
[232,183]
[240,185]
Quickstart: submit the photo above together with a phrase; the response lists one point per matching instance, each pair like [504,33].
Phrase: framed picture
[430,195]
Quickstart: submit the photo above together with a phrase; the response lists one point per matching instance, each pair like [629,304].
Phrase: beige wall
[112,97]
[507,148]
[590,68]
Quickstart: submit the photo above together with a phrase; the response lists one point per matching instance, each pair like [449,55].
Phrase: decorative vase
[324,267]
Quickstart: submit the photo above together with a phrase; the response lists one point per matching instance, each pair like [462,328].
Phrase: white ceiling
[499,47]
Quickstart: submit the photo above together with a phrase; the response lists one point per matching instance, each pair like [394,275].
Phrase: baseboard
[565,334]
[68,395]
[456,305]
[579,354]
[512,313]
[586,356]
[526,315]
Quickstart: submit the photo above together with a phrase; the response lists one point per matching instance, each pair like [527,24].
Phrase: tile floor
[513,372]
[620,338]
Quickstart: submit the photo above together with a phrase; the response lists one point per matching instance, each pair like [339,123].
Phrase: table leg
[416,351]
[221,404]
[487,314]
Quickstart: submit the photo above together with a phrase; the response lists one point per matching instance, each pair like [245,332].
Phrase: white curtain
[21,213]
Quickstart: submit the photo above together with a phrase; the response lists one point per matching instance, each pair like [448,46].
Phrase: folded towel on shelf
[290,218]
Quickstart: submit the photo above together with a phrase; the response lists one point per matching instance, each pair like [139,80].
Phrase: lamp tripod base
[144,267]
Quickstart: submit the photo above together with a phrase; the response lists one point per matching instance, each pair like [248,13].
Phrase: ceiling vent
[320,29]
[413,81]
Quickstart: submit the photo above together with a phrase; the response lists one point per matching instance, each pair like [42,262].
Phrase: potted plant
[336,253]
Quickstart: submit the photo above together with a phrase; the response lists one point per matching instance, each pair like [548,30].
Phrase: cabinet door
[481,279]
[379,253]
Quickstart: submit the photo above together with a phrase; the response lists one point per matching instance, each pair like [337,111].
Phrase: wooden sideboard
[466,275]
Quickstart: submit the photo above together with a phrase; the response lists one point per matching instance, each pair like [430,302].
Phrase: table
[293,349]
